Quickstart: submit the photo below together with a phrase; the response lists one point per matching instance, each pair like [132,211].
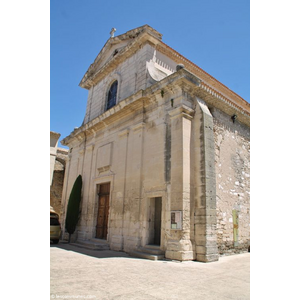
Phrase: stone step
[93,244]
[151,250]
[146,255]
[151,246]
[99,241]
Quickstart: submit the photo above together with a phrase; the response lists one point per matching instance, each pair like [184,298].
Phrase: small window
[112,95]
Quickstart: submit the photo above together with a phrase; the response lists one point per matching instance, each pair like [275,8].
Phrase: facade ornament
[112,32]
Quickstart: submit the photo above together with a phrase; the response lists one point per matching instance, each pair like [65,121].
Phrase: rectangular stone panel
[104,156]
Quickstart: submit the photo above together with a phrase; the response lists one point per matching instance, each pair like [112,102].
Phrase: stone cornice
[146,34]
[215,99]
[204,76]
[183,79]
[54,134]
[123,109]
[191,83]
[138,126]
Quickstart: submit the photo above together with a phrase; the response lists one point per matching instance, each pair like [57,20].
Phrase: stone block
[206,240]
[200,229]
[205,219]
[207,250]
[181,255]
[207,258]
[179,245]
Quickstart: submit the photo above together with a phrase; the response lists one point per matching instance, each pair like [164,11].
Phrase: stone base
[116,242]
[179,250]
[65,237]
[131,243]
[207,257]
[181,255]
[228,248]
[207,253]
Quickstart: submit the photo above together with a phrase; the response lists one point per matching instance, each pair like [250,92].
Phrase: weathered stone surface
[162,142]
[56,188]
[232,160]
[54,136]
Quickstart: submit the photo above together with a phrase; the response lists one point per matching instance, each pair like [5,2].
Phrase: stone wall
[54,136]
[232,162]
[177,166]
[150,152]
[127,154]
[160,142]
[131,76]
[56,187]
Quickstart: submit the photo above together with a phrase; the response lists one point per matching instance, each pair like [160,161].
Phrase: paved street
[77,273]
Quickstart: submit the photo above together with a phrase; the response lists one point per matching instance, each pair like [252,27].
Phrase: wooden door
[157,221]
[103,210]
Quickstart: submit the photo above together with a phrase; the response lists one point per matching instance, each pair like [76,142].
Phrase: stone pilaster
[205,207]
[179,245]
[86,177]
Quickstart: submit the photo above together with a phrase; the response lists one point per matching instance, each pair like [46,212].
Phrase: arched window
[112,95]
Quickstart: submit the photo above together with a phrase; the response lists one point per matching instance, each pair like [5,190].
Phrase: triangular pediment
[115,45]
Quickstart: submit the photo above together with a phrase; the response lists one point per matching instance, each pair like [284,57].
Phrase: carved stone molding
[182,111]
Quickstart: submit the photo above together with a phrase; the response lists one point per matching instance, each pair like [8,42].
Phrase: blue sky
[214,34]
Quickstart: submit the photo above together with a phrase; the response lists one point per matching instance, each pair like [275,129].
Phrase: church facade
[164,154]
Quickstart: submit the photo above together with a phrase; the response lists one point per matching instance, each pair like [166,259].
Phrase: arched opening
[112,95]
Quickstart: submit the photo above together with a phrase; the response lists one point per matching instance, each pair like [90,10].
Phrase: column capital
[182,111]
[90,147]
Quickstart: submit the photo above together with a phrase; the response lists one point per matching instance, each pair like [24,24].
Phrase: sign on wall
[176,219]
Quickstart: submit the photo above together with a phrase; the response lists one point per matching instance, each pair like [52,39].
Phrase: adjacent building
[58,173]
[54,136]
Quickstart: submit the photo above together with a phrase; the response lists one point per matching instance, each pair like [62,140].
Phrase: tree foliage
[74,206]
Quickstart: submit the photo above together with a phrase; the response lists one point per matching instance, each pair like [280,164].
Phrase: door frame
[145,209]
[151,220]
[106,211]
[98,181]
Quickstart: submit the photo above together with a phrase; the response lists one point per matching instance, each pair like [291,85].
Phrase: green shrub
[74,207]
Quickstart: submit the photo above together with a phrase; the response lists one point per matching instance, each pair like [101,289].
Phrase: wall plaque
[176,219]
